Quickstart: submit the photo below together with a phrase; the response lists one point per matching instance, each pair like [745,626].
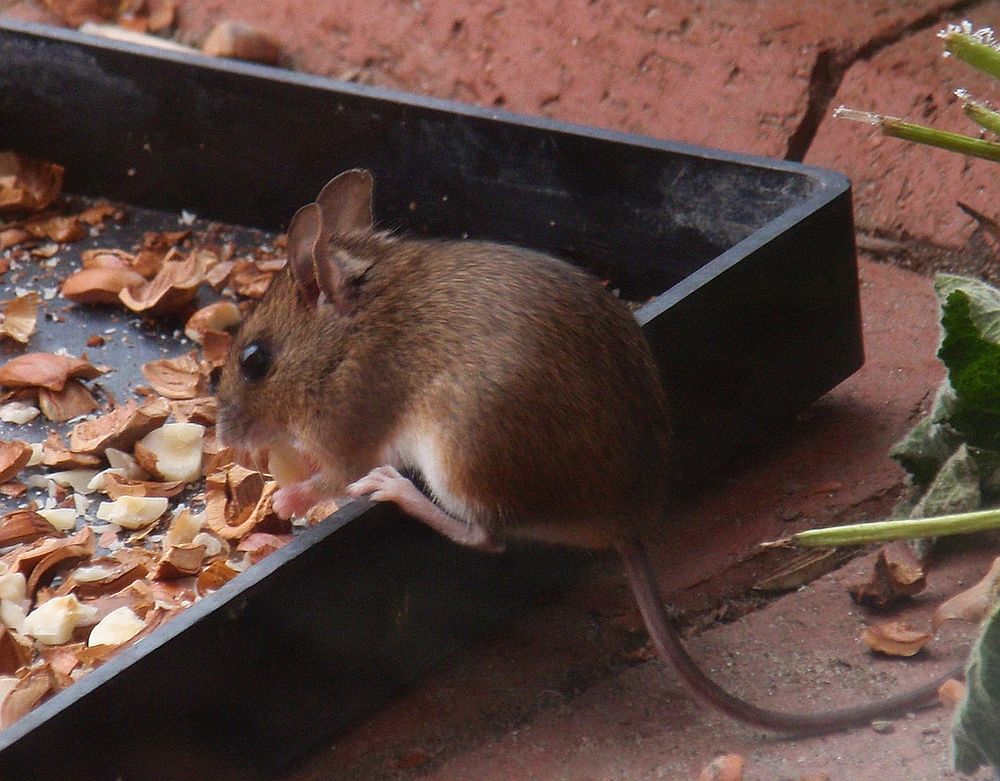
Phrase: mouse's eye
[255,361]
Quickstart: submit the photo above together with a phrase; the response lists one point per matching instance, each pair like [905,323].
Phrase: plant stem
[909,131]
[975,49]
[955,142]
[883,531]
[982,116]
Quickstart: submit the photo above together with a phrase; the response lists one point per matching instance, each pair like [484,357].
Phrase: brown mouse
[520,390]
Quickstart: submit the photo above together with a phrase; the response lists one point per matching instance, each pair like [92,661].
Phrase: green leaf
[977,721]
[984,302]
[970,349]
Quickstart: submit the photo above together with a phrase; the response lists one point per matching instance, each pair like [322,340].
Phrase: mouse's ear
[303,233]
[346,203]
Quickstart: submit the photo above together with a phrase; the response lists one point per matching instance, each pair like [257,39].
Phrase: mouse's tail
[667,642]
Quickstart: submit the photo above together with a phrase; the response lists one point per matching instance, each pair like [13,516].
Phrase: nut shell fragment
[99,580]
[23,526]
[215,347]
[180,561]
[215,576]
[116,486]
[896,573]
[25,695]
[13,655]
[99,285]
[25,560]
[45,370]
[950,693]
[62,557]
[119,429]
[72,401]
[14,456]
[201,410]
[173,288]
[728,767]
[228,512]
[27,184]
[55,454]
[20,317]
[262,544]
[895,639]
[183,377]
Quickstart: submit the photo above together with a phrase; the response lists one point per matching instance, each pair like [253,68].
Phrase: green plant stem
[909,131]
[955,142]
[883,531]
[982,116]
[975,52]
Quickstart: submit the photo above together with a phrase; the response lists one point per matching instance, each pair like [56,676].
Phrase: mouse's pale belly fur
[417,448]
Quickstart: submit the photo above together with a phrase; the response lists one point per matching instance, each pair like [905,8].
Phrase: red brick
[903,189]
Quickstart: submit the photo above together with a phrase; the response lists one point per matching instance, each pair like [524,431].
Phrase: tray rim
[828,184]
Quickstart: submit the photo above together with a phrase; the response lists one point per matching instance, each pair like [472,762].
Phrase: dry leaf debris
[975,603]
[897,573]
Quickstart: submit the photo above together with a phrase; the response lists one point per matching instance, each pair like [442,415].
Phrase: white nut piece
[12,615]
[173,451]
[98,482]
[13,586]
[18,412]
[37,454]
[53,622]
[81,504]
[77,479]
[286,464]
[125,463]
[211,543]
[61,518]
[117,627]
[132,512]
[91,573]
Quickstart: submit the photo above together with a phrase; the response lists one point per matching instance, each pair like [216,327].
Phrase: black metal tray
[746,267]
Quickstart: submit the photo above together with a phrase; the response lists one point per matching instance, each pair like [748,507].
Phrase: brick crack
[832,63]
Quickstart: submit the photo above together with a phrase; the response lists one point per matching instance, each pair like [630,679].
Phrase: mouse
[519,390]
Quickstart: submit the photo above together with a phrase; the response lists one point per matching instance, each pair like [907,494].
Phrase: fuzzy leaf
[970,349]
[925,448]
[955,488]
[977,722]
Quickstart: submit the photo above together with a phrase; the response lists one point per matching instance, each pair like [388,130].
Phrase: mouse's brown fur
[522,392]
